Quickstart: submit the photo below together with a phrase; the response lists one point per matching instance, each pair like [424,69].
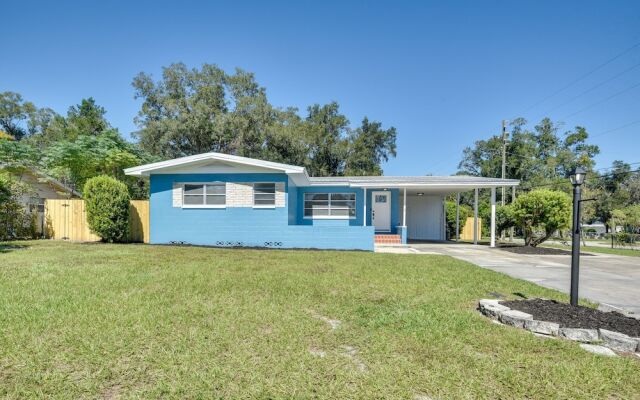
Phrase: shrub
[16,222]
[107,205]
[540,213]
[465,212]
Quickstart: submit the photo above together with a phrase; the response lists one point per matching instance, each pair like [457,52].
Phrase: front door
[381,211]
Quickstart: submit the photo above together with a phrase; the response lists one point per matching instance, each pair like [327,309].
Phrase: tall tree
[538,156]
[370,146]
[14,114]
[326,132]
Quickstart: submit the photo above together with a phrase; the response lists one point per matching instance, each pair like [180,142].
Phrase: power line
[592,89]
[603,100]
[615,129]
[597,178]
[567,86]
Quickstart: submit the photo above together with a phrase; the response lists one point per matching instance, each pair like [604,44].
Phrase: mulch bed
[538,250]
[569,316]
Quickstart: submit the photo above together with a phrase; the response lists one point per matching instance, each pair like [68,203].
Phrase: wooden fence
[66,219]
[467,230]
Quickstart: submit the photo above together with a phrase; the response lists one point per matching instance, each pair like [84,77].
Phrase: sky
[444,73]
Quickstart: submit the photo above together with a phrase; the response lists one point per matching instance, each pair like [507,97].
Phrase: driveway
[606,279]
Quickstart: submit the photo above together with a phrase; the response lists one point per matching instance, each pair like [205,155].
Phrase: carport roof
[453,182]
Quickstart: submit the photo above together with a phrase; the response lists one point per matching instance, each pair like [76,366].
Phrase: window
[204,195]
[264,194]
[36,204]
[330,205]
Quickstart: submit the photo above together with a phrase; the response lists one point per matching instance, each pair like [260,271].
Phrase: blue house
[217,199]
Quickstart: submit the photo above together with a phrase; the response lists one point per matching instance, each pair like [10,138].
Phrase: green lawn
[598,249]
[139,321]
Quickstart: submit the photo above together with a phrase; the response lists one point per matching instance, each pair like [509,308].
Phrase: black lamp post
[577,179]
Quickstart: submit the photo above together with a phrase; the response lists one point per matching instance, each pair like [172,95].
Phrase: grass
[598,249]
[139,321]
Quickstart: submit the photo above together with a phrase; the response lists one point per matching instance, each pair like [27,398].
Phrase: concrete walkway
[606,279]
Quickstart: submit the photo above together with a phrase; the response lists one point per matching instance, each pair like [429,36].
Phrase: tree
[540,213]
[14,113]
[538,156]
[465,212]
[107,204]
[186,112]
[369,146]
[16,222]
[326,130]
[75,161]
[191,111]
[611,190]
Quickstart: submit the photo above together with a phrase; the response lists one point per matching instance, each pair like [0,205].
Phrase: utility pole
[505,139]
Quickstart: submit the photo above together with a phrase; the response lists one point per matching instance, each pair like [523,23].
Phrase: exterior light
[577,176]
[420,194]
[577,179]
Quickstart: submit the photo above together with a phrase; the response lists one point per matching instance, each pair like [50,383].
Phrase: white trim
[329,217]
[204,206]
[147,168]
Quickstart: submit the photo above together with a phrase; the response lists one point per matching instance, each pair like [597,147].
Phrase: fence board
[66,219]
[467,230]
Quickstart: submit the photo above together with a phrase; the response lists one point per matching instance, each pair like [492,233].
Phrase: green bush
[465,212]
[107,204]
[540,213]
[16,222]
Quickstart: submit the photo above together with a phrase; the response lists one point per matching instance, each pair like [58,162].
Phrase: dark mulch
[538,250]
[569,316]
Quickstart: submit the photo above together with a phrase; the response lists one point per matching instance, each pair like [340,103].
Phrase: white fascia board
[451,185]
[147,169]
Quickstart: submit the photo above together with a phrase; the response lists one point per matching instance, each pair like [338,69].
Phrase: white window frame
[329,208]
[275,192]
[184,205]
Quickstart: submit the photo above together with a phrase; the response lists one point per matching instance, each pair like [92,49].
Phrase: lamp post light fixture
[577,179]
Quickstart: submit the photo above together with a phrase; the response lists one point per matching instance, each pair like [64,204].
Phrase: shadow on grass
[6,247]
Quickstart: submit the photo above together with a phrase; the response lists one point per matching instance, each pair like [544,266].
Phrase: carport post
[404,208]
[513,198]
[493,217]
[364,208]
[457,216]
[475,216]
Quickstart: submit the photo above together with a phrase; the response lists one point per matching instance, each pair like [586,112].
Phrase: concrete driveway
[606,279]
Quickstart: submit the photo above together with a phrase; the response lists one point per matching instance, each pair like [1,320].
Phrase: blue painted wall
[245,226]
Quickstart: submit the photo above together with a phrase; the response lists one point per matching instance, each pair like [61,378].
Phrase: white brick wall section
[177,194]
[238,194]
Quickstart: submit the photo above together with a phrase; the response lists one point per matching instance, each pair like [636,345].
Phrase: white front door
[381,211]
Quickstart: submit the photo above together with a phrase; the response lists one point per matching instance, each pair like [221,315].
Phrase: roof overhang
[191,164]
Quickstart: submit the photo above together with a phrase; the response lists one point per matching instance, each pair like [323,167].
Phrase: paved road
[608,279]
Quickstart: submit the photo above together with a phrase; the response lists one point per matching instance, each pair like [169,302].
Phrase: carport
[421,202]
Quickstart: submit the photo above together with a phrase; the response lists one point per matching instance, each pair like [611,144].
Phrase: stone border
[609,339]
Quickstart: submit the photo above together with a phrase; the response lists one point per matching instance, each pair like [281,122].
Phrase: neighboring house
[218,199]
[594,229]
[42,187]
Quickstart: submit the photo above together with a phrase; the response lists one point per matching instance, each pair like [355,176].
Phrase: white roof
[200,162]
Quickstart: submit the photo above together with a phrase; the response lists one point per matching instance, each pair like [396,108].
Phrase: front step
[388,239]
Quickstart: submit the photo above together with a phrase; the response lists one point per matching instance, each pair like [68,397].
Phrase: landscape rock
[579,334]
[618,341]
[493,311]
[489,302]
[515,318]
[544,327]
[600,350]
